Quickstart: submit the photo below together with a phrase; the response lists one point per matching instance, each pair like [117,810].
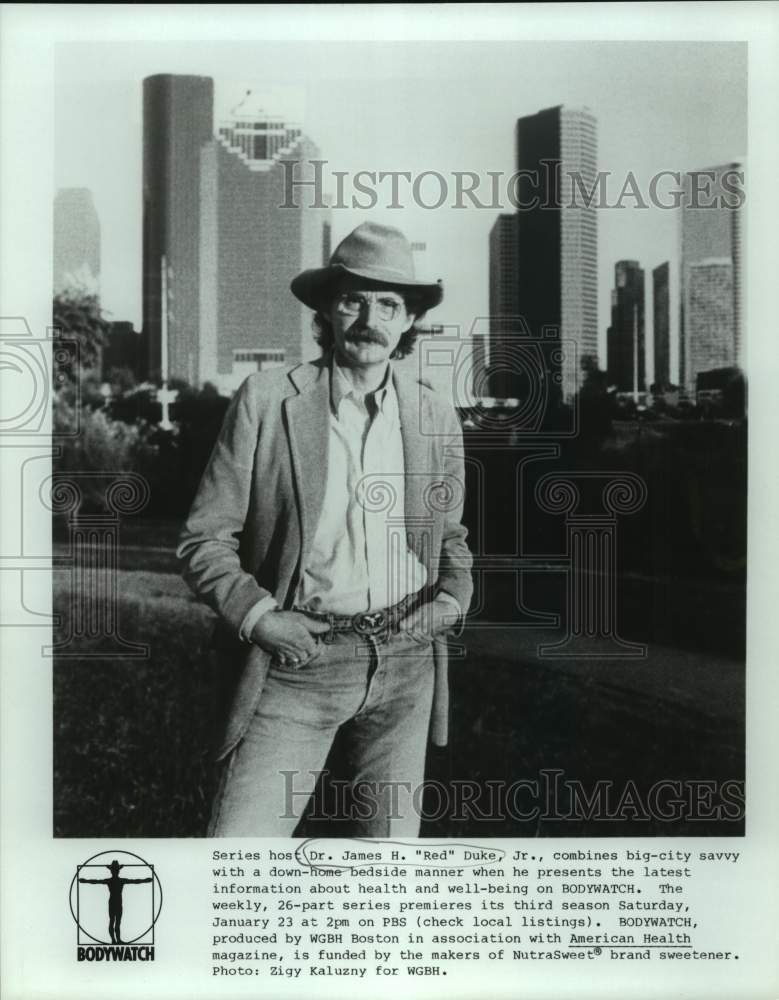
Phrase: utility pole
[165,396]
[635,353]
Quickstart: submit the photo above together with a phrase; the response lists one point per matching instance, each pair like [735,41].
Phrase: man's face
[367,325]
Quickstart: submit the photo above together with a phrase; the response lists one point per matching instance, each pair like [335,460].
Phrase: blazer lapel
[413,407]
[308,427]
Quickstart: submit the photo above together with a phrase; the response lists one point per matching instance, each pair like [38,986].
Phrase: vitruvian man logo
[115,899]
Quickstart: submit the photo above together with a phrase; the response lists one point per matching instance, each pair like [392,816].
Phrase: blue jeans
[377,697]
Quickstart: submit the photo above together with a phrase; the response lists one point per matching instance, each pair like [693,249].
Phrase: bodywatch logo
[115,899]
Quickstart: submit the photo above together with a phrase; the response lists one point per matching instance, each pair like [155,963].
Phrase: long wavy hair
[323,330]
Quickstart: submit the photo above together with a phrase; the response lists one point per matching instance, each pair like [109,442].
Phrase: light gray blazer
[253,519]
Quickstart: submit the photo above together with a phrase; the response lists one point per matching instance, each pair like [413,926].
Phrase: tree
[78,315]
[122,380]
[594,402]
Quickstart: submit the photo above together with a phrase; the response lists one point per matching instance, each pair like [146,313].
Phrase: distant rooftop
[250,109]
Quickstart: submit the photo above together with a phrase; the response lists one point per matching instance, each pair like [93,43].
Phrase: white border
[34,962]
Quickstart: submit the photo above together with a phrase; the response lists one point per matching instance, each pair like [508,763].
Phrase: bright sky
[416,106]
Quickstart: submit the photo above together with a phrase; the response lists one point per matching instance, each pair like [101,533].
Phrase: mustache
[367,336]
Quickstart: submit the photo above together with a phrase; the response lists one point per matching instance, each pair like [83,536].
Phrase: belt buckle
[369,623]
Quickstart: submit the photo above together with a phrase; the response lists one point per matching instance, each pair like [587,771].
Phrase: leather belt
[377,625]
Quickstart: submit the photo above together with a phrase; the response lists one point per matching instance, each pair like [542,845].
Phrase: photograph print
[400,435]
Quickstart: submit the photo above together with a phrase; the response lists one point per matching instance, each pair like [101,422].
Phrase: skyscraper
[479,372]
[557,255]
[661,314]
[710,315]
[711,230]
[215,225]
[177,125]
[253,244]
[625,362]
[503,301]
[76,241]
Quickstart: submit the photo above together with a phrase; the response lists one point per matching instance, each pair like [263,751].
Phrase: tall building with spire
[76,241]
[557,253]
[228,242]
[625,339]
[711,223]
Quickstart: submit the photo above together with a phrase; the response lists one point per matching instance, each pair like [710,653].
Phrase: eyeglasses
[353,303]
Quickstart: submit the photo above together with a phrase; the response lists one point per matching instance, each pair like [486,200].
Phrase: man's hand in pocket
[289,636]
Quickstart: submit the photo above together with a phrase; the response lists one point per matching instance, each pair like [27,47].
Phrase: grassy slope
[132,737]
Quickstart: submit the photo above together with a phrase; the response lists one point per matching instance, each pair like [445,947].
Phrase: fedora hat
[377,254]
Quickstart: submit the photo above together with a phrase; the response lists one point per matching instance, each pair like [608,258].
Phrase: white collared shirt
[360,559]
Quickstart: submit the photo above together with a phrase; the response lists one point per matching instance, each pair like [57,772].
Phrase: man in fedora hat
[326,533]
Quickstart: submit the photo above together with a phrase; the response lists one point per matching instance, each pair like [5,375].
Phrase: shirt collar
[341,388]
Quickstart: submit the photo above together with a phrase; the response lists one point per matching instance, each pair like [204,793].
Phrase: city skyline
[690,114]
